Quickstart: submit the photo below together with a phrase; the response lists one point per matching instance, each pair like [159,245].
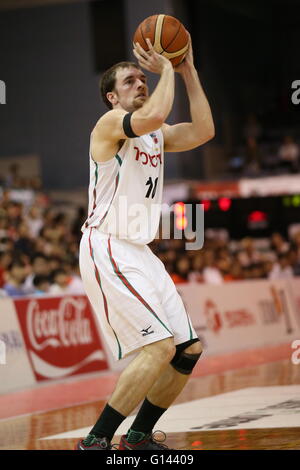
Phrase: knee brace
[184,362]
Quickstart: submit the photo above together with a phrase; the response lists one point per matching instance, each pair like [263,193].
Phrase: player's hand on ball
[188,61]
[150,60]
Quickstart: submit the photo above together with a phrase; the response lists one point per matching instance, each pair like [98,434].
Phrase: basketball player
[133,296]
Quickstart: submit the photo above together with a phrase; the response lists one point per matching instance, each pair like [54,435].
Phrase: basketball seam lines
[162,27]
[170,54]
[158,29]
[165,49]
[143,33]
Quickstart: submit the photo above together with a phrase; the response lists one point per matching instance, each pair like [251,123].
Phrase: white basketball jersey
[125,193]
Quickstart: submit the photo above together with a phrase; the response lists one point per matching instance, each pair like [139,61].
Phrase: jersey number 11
[152,187]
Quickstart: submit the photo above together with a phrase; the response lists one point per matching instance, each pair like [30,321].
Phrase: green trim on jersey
[191,333]
[96,173]
[119,159]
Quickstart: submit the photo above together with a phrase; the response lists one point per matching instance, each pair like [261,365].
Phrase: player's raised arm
[133,113]
[156,110]
[188,135]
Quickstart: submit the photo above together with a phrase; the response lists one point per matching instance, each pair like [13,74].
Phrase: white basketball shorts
[131,293]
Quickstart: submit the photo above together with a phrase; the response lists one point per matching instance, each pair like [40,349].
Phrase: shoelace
[158,443]
[97,440]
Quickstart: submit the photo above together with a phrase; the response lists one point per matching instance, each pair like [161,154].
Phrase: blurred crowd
[260,153]
[222,261]
[38,248]
[14,179]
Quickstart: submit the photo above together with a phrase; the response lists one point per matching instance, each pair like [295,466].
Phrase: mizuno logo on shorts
[146,331]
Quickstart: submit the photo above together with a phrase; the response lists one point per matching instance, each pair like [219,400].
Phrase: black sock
[146,418]
[108,423]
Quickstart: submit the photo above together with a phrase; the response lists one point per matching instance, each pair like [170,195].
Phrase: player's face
[131,90]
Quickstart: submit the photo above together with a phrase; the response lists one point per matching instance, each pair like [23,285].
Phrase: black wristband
[127,126]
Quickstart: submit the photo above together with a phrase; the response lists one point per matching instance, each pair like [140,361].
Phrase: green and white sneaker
[145,442]
[92,442]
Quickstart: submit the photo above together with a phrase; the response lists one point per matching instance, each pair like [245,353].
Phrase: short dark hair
[16,262]
[108,79]
[38,255]
[40,279]
[57,272]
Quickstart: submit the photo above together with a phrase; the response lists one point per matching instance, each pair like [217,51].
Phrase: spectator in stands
[288,154]
[253,157]
[24,243]
[282,269]
[41,285]
[197,267]
[247,272]
[41,245]
[211,273]
[169,259]
[223,254]
[78,222]
[4,235]
[182,268]
[75,285]
[13,178]
[72,248]
[34,221]
[5,201]
[296,245]
[60,283]
[48,217]
[15,278]
[248,254]
[294,261]
[14,216]
[278,244]
[55,263]
[42,200]
[39,267]
[267,268]
[236,270]
[3,223]
[224,266]
[35,183]
[46,243]
[257,271]
[6,259]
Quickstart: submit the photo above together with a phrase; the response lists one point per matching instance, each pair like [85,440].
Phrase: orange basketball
[167,35]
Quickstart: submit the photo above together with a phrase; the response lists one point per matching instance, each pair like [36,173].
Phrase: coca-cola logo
[63,326]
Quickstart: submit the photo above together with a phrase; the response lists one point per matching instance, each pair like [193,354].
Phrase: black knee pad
[184,362]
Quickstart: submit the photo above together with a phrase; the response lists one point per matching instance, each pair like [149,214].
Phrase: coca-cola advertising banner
[61,336]
[15,368]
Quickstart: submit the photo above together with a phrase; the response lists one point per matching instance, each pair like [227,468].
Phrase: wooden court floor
[250,407]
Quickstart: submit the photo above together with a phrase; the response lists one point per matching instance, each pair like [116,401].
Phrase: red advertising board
[61,336]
